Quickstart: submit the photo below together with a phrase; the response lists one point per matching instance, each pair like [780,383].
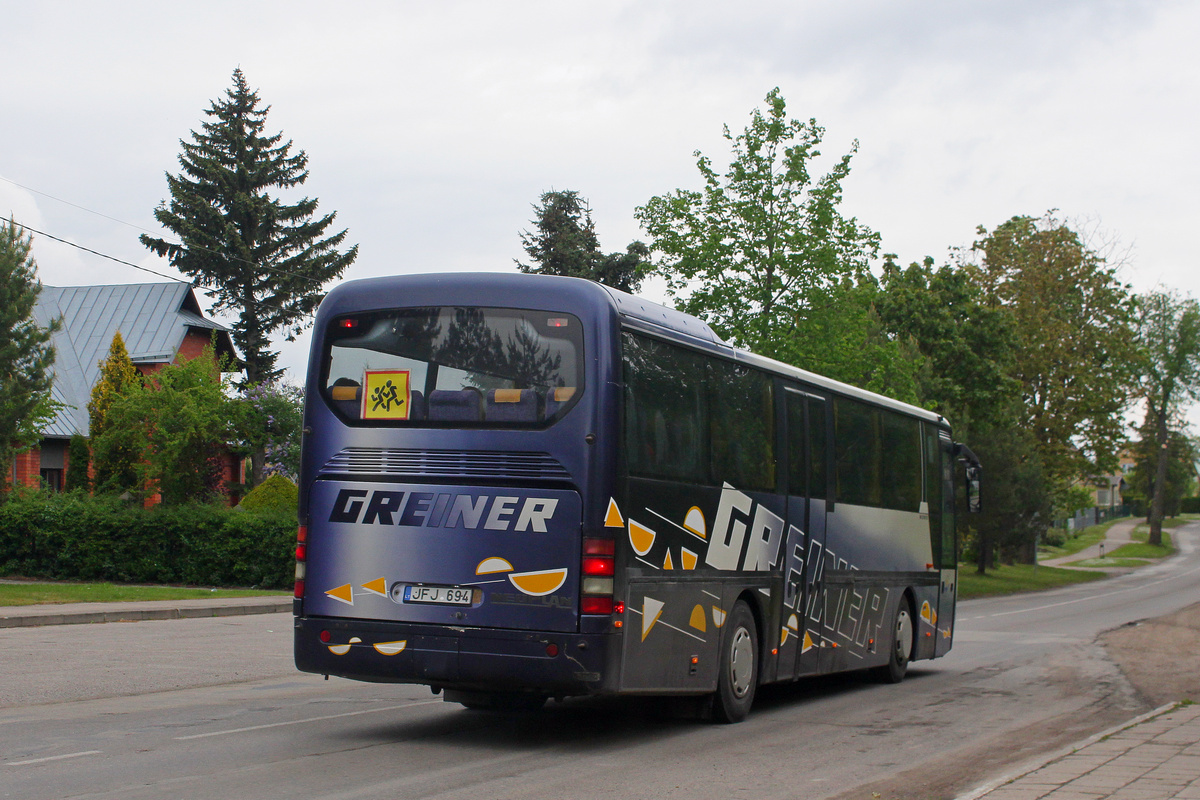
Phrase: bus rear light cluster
[597,564]
[596,605]
[301,559]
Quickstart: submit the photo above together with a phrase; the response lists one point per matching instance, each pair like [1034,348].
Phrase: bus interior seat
[346,396]
[416,408]
[511,405]
[557,398]
[448,405]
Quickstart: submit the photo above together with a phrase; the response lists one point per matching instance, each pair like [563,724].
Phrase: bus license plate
[446,595]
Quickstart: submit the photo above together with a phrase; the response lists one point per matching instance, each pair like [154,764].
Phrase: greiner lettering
[436,510]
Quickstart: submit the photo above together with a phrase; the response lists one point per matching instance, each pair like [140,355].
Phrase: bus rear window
[453,366]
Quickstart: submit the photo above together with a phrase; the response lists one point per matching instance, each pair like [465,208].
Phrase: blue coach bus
[516,487]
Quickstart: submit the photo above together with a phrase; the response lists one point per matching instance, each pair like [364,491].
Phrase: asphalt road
[212,708]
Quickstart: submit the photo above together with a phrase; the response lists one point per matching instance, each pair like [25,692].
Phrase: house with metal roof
[161,323]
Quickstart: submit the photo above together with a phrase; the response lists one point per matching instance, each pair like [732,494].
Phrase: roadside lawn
[1080,541]
[25,593]
[1010,579]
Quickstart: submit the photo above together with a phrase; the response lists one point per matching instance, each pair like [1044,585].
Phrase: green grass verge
[1143,550]
[24,594]
[1142,534]
[1110,561]
[1080,541]
[1016,578]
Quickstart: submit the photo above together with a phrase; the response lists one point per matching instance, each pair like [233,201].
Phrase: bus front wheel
[738,677]
[901,649]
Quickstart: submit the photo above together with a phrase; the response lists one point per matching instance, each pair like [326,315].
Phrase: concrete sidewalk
[79,613]
[1119,533]
[1154,757]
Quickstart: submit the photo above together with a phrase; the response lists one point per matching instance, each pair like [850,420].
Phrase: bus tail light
[301,559]
[598,565]
[596,605]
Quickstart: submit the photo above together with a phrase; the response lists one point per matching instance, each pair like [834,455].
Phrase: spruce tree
[26,355]
[114,451]
[255,255]
[565,244]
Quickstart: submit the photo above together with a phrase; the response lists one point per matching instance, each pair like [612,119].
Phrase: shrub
[1054,537]
[276,493]
[69,536]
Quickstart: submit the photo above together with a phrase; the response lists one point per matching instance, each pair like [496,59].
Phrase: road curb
[1034,766]
[14,618]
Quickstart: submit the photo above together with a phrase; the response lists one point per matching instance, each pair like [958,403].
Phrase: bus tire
[738,676]
[901,645]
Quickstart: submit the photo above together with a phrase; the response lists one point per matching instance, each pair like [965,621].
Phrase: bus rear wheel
[903,635]
[738,676]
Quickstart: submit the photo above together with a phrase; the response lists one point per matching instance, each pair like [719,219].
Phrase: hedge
[72,536]
[1189,505]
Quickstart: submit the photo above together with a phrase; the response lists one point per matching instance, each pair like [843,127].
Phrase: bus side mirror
[974,503]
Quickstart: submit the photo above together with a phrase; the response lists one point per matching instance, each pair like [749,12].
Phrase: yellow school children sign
[385,394]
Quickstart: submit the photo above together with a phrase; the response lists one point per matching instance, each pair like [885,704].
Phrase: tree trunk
[1158,498]
[985,553]
[258,462]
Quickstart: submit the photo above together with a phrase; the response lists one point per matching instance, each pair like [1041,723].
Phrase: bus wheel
[902,646]
[738,676]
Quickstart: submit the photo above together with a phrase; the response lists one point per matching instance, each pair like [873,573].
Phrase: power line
[74,205]
[11,221]
[226,256]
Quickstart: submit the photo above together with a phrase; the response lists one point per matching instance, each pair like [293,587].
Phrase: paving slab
[86,613]
[1149,757]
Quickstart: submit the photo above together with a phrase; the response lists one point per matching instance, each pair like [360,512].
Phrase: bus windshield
[453,365]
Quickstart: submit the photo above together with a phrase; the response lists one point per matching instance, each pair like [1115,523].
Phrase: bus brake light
[598,565]
[596,605]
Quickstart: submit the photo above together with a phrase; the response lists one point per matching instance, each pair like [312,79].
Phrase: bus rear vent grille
[502,466]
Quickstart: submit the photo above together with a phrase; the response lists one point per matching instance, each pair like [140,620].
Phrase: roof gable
[153,319]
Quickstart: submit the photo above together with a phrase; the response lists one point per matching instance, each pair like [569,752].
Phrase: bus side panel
[668,628]
[944,621]
[877,553]
[685,557]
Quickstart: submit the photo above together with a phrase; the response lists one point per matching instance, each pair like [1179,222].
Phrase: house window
[52,479]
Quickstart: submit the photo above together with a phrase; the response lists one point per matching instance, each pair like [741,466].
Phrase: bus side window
[742,425]
[665,410]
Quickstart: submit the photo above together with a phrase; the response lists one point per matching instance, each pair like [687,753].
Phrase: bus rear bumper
[469,659]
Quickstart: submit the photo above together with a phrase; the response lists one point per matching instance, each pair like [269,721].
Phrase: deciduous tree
[257,256]
[270,417]
[1168,346]
[180,422]
[1074,357]
[757,248]
[78,458]
[970,346]
[26,355]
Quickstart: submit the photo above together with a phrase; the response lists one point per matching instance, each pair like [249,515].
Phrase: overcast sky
[432,128]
